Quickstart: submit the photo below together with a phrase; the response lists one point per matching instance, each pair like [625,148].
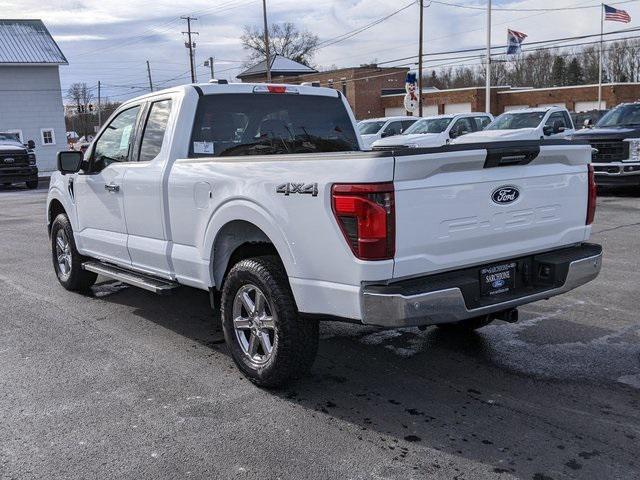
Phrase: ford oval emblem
[498,283]
[9,160]
[505,195]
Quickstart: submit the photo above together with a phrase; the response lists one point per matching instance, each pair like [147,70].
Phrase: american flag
[514,41]
[616,15]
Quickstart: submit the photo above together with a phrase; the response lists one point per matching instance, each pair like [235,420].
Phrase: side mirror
[587,123]
[69,161]
[547,130]
[386,134]
[31,144]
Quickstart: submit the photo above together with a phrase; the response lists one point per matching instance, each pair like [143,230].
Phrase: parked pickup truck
[17,161]
[616,143]
[261,195]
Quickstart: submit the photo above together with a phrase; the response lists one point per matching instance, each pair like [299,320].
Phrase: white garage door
[457,108]
[508,108]
[429,110]
[394,111]
[558,104]
[587,106]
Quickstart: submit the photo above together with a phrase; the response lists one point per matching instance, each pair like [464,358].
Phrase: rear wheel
[467,325]
[268,340]
[32,184]
[67,262]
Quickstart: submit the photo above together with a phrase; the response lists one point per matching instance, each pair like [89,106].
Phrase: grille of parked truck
[616,140]
[17,161]
[263,196]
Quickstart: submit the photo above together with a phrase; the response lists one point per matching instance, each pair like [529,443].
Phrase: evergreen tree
[574,73]
[559,72]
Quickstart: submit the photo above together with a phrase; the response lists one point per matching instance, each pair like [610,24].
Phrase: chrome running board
[147,282]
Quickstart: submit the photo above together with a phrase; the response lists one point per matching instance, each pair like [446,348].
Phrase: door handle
[112,187]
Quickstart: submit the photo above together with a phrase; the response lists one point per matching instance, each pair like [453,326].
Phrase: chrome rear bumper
[448,305]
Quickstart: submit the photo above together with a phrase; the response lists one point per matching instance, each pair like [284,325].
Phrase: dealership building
[374,91]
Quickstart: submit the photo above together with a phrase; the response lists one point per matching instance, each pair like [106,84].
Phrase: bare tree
[79,94]
[284,39]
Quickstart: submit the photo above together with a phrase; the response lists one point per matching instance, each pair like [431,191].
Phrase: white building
[30,94]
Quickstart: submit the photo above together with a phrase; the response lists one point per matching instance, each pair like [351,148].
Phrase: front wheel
[268,340]
[67,262]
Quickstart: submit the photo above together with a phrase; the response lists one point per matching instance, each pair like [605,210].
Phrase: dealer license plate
[497,279]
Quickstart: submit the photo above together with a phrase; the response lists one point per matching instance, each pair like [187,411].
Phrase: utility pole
[600,58]
[487,92]
[149,74]
[99,106]
[209,63]
[190,45]
[266,39]
[420,59]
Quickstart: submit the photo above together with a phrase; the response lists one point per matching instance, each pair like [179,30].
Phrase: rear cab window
[267,124]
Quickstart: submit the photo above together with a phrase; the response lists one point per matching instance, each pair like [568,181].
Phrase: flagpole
[487,92]
[600,57]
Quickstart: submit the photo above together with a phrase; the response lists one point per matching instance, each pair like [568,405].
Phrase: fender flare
[248,211]
[56,194]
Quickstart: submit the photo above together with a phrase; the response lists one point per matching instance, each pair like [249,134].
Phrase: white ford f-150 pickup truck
[262,195]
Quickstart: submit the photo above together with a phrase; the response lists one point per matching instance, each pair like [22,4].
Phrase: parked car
[436,131]
[587,119]
[526,124]
[616,140]
[377,128]
[17,161]
[288,221]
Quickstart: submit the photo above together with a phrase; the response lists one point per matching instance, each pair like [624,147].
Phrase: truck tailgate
[469,205]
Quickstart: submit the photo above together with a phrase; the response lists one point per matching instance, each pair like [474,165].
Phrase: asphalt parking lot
[123,384]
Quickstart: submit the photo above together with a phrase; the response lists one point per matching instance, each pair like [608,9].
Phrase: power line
[466,50]
[352,33]
[507,9]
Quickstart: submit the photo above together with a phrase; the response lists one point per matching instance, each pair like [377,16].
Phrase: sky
[111,40]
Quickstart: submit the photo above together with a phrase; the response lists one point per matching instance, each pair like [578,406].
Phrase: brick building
[374,91]
[363,86]
[503,98]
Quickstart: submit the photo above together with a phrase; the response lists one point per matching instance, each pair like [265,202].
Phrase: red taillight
[593,193]
[277,89]
[366,215]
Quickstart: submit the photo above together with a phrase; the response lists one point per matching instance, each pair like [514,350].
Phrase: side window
[116,142]
[567,120]
[154,130]
[481,122]
[394,128]
[461,127]
[406,124]
[556,117]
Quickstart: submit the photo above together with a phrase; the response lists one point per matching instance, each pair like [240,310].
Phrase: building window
[48,137]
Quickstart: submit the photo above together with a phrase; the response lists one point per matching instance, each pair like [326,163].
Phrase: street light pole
[266,39]
[420,59]
[487,92]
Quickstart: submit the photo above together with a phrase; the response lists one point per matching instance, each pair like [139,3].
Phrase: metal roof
[279,66]
[28,42]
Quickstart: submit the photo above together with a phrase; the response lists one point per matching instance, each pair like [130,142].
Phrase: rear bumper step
[450,297]
[146,282]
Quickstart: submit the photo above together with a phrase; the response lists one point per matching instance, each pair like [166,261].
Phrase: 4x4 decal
[302,188]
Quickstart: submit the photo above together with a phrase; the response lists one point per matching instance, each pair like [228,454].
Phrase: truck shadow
[422,398]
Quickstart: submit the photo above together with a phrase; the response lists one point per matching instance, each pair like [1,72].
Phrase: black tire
[75,279]
[295,340]
[32,184]
[467,325]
